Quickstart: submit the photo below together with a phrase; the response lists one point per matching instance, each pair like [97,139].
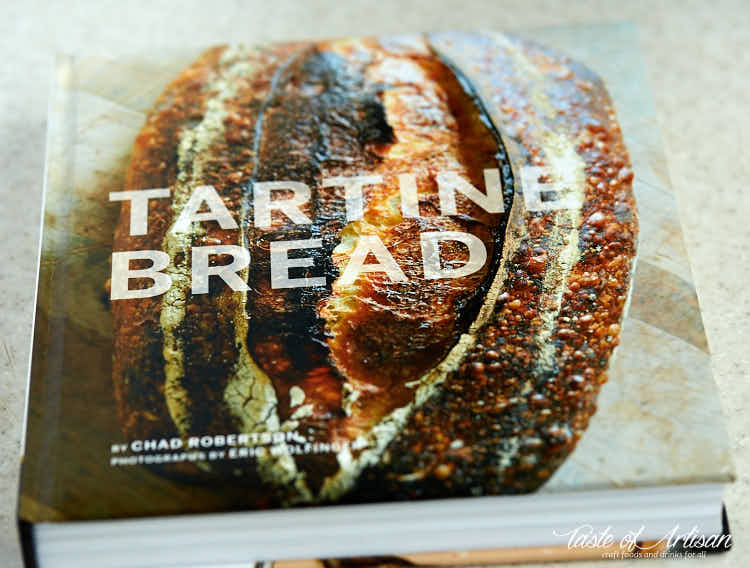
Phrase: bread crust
[523,396]
[481,385]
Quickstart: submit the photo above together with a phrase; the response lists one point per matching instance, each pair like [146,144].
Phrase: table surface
[698,69]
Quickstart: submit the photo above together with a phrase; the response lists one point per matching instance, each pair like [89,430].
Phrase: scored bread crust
[524,393]
[516,362]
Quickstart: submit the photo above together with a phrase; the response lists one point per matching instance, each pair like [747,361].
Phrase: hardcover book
[370,300]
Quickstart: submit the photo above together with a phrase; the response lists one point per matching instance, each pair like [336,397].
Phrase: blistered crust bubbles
[585,328]
[519,402]
[138,363]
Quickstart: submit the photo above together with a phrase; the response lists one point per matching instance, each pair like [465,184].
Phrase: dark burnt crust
[138,363]
[314,88]
[486,404]
[336,118]
[207,331]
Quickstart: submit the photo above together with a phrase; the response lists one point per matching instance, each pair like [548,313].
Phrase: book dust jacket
[361,270]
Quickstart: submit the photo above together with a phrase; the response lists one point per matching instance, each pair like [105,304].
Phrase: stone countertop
[698,69]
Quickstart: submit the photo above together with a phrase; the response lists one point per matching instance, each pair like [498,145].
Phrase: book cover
[361,270]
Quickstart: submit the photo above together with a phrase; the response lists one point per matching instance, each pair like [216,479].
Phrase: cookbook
[354,281]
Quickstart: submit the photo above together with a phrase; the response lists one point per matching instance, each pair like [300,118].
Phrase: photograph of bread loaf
[428,387]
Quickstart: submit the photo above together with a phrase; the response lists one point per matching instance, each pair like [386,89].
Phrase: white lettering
[353,192]
[430,243]
[409,197]
[138,206]
[227,272]
[122,274]
[217,211]
[281,263]
[450,182]
[290,207]
[371,244]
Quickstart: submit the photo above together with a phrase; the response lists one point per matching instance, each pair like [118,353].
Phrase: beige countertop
[698,68]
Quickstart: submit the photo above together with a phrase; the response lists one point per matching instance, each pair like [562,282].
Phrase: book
[366,300]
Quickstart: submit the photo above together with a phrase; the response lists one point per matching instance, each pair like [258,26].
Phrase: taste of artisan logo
[675,543]
[205,204]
